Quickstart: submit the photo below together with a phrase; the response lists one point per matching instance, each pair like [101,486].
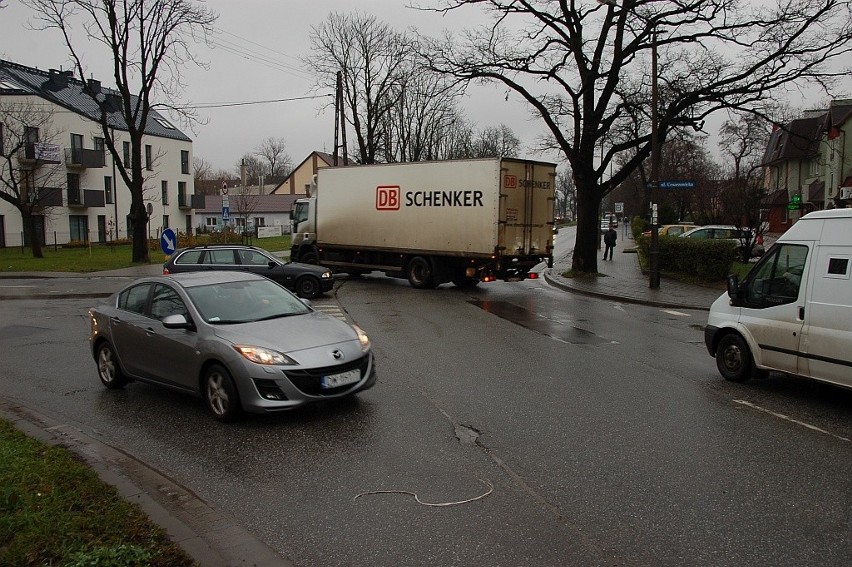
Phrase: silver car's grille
[308,380]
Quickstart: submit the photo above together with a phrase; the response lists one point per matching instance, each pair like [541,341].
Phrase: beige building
[299,180]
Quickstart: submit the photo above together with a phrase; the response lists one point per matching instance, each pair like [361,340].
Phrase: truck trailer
[460,221]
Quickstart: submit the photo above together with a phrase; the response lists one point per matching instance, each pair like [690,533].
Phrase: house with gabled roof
[809,160]
[60,163]
[299,180]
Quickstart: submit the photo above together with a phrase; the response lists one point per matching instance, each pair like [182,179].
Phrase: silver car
[240,341]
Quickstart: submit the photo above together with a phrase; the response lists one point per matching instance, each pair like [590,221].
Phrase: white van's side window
[838,268]
[778,277]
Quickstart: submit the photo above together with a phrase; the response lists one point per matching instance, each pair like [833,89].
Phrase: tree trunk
[139,220]
[30,229]
[587,245]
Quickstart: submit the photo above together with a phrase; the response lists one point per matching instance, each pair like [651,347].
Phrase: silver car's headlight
[260,355]
[363,339]
[326,275]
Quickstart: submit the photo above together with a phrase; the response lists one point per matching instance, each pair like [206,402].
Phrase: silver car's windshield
[244,301]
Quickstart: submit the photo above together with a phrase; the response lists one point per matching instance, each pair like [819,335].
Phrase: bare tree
[273,152]
[372,59]
[149,43]
[580,66]
[30,180]
[566,196]
[497,141]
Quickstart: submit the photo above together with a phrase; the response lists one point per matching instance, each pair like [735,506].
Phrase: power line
[251,102]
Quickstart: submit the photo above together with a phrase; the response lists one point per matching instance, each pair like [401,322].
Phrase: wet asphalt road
[562,429]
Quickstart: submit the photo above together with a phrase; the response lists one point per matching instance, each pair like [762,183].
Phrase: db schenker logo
[387,198]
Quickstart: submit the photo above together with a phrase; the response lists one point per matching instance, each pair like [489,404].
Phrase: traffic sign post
[168,241]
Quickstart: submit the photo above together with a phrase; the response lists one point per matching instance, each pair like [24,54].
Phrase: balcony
[184,201]
[79,158]
[84,198]
[39,153]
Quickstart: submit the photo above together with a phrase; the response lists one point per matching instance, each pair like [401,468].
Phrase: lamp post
[654,250]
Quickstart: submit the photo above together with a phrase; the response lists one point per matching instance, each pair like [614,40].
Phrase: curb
[208,535]
[548,276]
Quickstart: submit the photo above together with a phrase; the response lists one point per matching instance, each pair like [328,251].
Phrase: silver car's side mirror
[177,322]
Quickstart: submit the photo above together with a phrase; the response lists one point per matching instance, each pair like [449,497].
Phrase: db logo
[387,197]
[510,182]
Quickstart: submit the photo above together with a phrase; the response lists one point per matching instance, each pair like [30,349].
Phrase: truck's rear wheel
[465,282]
[420,274]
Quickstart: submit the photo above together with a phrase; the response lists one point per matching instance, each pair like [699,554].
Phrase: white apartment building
[81,196]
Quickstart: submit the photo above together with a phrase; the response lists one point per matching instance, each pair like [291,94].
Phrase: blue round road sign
[168,241]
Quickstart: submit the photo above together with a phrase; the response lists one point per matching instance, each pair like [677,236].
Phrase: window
[259,221]
[165,302]
[777,278]
[189,257]
[75,196]
[165,192]
[838,268]
[184,161]
[79,225]
[182,194]
[225,256]
[165,221]
[164,123]
[99,144]
[148,157]
[126,151]
[1,139]
[210,221]
[134,298]
[31,135]
[77,141]
[108,189]
[252,258]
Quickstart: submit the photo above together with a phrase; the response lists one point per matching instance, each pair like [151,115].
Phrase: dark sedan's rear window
[189,257]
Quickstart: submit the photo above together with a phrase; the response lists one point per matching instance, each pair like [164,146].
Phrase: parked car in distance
[726,232]
[607,220]
[240,341]
[671,229]
[306,280]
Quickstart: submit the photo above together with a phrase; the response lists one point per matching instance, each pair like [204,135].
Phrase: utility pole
[654,249]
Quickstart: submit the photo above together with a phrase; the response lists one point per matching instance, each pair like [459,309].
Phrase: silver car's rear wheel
[221,395]
[109,370]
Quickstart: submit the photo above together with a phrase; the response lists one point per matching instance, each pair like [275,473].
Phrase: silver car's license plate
[342,379]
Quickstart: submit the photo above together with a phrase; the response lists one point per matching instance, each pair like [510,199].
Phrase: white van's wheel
[733,358]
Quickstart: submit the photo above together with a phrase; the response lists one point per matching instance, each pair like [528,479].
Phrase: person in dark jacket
[609,239]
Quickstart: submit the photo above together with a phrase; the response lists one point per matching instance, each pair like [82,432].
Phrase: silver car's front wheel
[221,394]
[109,370]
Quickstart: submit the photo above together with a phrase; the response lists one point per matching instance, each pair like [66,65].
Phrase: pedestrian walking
[609,239]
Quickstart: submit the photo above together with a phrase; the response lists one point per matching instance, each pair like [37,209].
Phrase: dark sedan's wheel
[420,273]
[308,287]
[733,358]
[221,395]
[109,370]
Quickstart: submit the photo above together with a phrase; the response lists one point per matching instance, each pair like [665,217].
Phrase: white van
[793,311]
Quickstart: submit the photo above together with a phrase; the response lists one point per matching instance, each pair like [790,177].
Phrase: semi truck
[460,221]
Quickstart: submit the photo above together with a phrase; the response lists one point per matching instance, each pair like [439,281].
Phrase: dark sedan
[238,340]
[306,280]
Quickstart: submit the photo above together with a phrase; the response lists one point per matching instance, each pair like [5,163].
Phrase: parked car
[726,232]
[240,341]
[671,229]
[306,280]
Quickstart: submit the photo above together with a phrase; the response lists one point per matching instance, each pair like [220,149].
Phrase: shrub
[707,260]
[638,225]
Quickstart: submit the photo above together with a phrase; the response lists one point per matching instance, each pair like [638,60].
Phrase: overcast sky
[277,32]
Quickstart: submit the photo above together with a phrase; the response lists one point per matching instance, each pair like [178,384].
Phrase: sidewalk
[623,280]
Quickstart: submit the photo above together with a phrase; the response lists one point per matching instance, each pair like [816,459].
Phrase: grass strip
[54,510]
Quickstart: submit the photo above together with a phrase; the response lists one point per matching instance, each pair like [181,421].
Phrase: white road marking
[672,312]
[791,420]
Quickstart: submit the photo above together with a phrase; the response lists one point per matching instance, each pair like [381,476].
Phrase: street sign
[224,188]
[682,184]
[226,213]
[619,207]
[168,241]
[795,203]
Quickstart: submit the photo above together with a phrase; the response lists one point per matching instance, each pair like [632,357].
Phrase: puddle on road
[533,322]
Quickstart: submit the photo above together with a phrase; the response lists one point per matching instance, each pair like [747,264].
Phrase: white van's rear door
[827,336]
